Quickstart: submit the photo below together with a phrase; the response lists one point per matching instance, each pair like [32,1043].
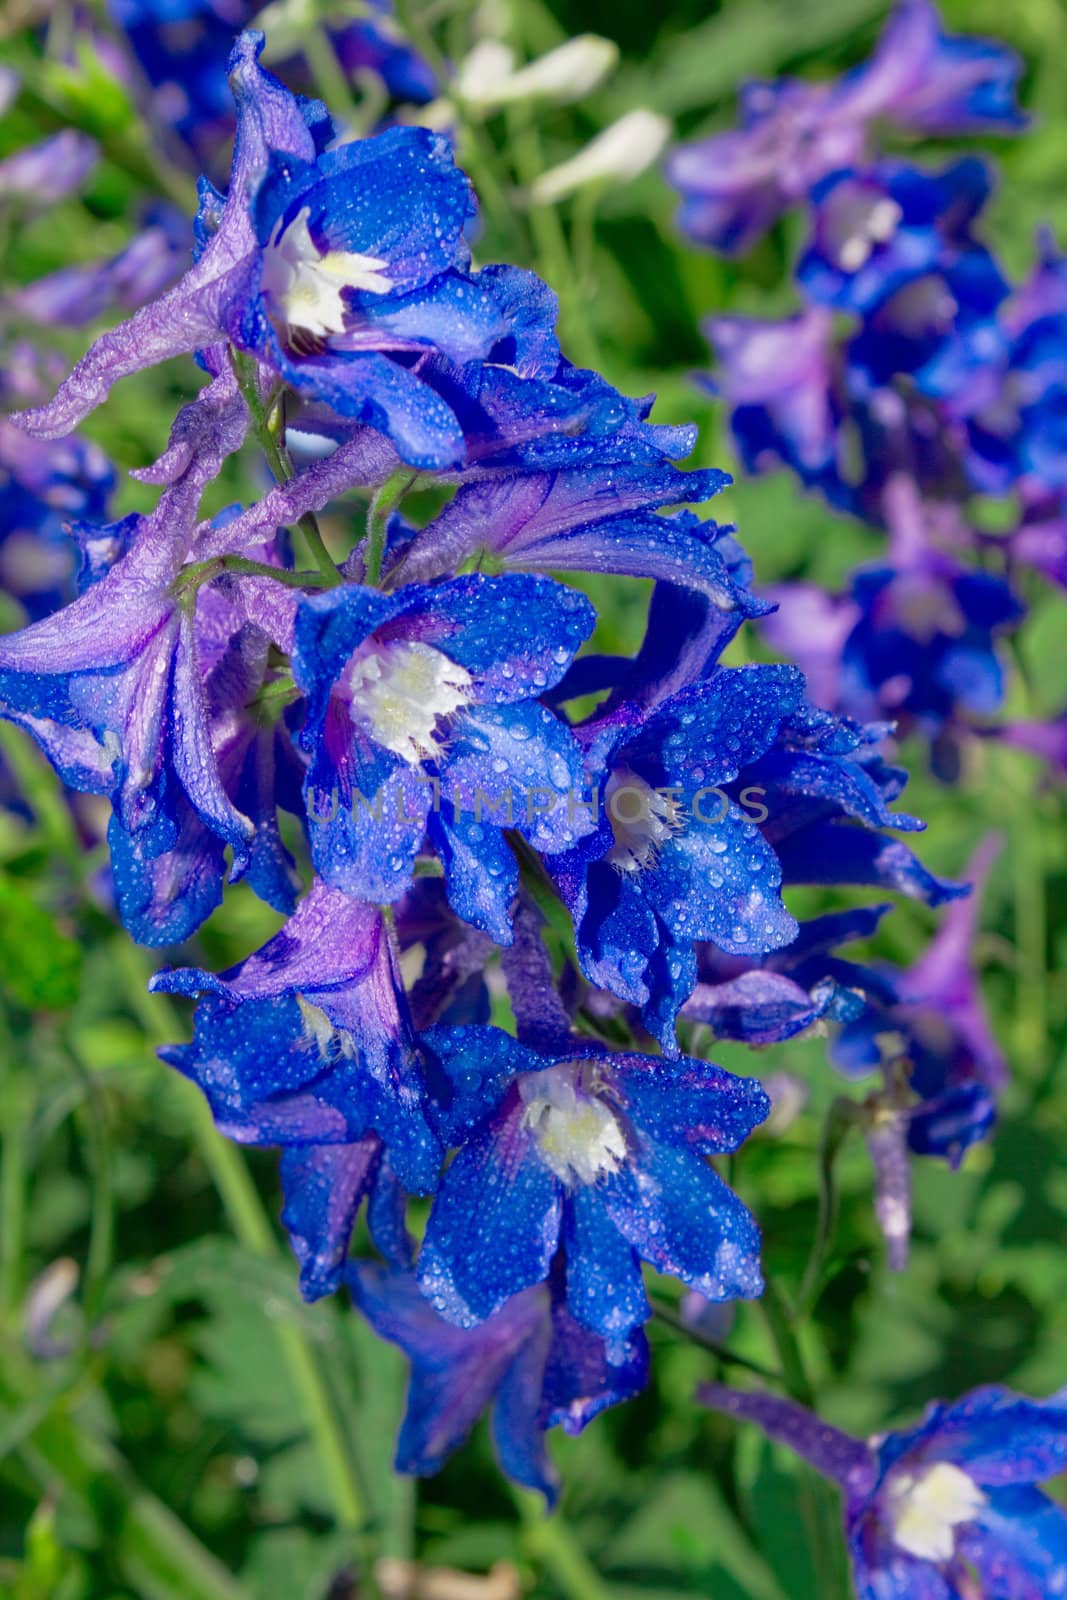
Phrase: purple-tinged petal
[541,1018]
[836,1455]
[45,173]
[455,1372]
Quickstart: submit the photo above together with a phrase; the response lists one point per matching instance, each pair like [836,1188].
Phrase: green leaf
[41,965]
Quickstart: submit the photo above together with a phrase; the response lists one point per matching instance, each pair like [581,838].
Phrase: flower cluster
[914,381]
[396,751]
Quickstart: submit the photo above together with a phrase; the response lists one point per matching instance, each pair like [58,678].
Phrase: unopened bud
[621,152]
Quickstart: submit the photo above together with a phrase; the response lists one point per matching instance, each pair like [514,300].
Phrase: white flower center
[578,1136]
[305,285]
[642,820]
[926,1508]
[321,1032]
[401,691]
[877,227]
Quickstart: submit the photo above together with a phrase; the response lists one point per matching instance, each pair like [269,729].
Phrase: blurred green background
[173,1422]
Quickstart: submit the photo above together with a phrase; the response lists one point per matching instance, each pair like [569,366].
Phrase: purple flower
[42,174]
[776,378]
[344,271]
[787,992]
[879,230]
[794,133]
[948,1509]
[307,1044]
[934,1016]
[530,1361]
[44,488]
[73,296]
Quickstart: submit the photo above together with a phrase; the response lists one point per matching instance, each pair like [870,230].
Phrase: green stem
[817,1498]
[245,369]
[779,1320]
[329,79]
[671,1320]
[835,1131]
[550,1542]
[198,572]
[553,252]
[250,1224]
[385,502]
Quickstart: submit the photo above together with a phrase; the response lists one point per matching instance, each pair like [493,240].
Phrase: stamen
[926,1508]
[578,1135]
[305,285]
[642,820]
[401,691]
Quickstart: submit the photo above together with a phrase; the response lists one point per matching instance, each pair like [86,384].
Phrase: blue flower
[308,1043]
[344,271]
[531,1361]
[878,230]
[946,1509]
[787,992]
[43,488]
[794,133]
[598,1151]
[916,639]
[422,711]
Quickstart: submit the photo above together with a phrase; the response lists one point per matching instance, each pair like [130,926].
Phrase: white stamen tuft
[578,1136]
[642,820]
[926,1507]
[401,691]
[305,285]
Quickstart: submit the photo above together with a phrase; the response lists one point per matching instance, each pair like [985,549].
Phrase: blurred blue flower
[948,1509]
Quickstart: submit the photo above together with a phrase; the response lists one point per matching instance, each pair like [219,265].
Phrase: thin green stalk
[553,252]
[199,572]
[477,154]
[385,502]
[245,371]
[249,1221]
[839,1119]
[720,1351]
[816,1496]
[550,1542]
[327,74]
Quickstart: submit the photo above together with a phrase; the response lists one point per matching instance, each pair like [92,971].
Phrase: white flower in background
[621,152]
[487,78]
